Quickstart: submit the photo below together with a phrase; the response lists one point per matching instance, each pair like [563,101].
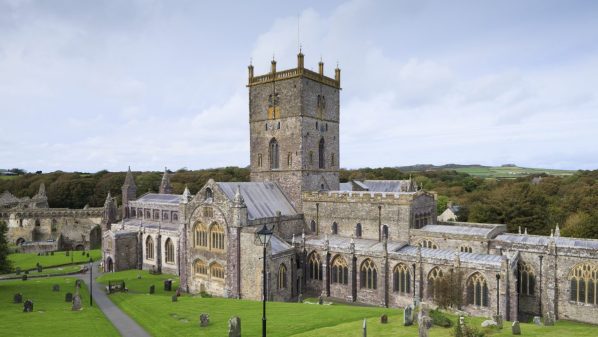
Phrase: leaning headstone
[24,277]
[56,288]
[152,289]
[28,306]
[17,298]
[234,327]
[320,300]
[515,328]
[488,323]
[537,320]
[300,298]
[383,319]
[204,320]
[174,298]
[76,302]
[498,319]
[18,270]
[408,317]
[68,297]
[168,285]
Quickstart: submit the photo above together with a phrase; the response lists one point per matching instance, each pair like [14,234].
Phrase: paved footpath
[123,323]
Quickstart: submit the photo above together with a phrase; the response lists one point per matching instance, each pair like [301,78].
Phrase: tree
[5,264]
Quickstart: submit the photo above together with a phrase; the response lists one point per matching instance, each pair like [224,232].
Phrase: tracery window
[200,268]
[274,154]
[434,278]
[527,280]
[401,277]
[149,248]
[315,266]
[282,276]
[169,248]
[148,214]
[208,212]
[217,237]
[216,271]
[427,244]
[583,280]
[477,290]
[369,275]
[200,236]
[340,271]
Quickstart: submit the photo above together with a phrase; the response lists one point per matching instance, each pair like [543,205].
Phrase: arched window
[427,244]
[209,194]
[583,279]
[200,268]
[289,159]
[282,277]
[169,248]
[369,275]
[216,271]
[321,157]
[315,266]
[384,231]
[274,152]
[37,223]
[175,216]
[465,249]
[133,212]
[311,158]
[200,235]
[340,271]
[259,160]
[149,248]
[312,226]
[527,280]
[54,225]
[217,237]
[477,290]
[401,278]
[156,214]
[332,161]
[334,228]
[165,216]
[434,278]
[358,230]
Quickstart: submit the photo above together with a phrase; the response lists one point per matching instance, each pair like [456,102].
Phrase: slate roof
[155,198]
[388,185]
[493,260]
[263,199]
[543,241]
[345,186]
[340,242]
[460,230]
[278,245]
[151,224]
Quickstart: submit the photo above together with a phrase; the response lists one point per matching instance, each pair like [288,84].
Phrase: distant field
[509,172]
[8,177]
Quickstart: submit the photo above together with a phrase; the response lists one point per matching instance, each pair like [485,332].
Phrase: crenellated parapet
[402,198]
[53,212]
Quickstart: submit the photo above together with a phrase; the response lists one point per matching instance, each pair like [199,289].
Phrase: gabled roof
[388,185]
[543,241]
[155,198]
[263,199]
[486,259]
[461,230]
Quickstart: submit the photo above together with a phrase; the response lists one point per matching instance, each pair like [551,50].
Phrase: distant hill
[507,171]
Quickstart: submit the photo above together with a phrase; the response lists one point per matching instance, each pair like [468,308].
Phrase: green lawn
[47,271]
[52,316]
[29,260]
[160,316]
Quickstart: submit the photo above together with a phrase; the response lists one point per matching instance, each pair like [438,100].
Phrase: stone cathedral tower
[294,129]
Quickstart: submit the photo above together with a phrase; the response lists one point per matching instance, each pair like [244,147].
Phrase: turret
[239,209]
[165,187]
[129,192]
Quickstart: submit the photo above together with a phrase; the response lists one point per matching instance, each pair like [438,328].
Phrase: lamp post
[90,282]
[497,294]
[264,236]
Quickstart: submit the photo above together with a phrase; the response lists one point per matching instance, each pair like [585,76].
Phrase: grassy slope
[159,316]
[47,271]
[52,316]
[508,172]
[29,260]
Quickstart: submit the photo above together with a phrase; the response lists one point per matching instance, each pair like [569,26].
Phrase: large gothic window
[477,290]
[527,280]
[200,268]
[321,156]
[434,278]
[217,237]
[149,248]
[282,276]
[274,154]
[200,236]
[401,278]
[340,271]
[583,280]
[169,248]
[216,271]
[369,275]
[315,266]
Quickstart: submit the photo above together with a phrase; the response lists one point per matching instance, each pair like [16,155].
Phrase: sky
[91,85]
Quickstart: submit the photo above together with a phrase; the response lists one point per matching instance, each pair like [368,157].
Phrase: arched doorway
[20,241]
[109,265]
[80,247]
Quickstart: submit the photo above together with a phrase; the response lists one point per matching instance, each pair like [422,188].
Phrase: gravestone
[174,298]
[139,276]
[24,278]
[498,319]
[515,328]
[168,285]
[17,298]
[152,289]
[39,268]
[408,317]
[383,319]
[538,320]
[178,292]
[56,288]
[300,298]
[204,320]
[83,253]
[68,297]
[424,324]
[87,255]
[76,302]
[78,283]
[549,319]
[18,270]
[28,306]
[234,327]
[365,328]
[320,300]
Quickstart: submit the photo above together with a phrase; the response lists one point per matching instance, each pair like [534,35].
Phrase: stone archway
[80,247]
[20,241]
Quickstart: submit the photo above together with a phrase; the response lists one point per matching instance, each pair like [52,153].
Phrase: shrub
[204,294]
[467,331]
[439,319]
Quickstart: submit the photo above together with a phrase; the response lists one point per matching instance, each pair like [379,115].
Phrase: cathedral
[373,242]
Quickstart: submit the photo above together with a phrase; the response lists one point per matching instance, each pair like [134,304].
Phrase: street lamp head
[497,276]
[264,235]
